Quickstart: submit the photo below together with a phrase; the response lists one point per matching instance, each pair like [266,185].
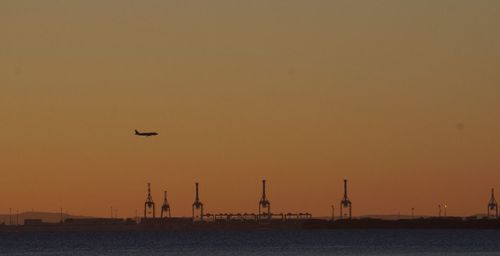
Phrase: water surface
[256,242]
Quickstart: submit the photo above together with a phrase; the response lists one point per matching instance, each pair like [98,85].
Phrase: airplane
[147,134]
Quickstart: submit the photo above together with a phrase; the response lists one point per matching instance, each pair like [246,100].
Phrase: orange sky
[302,93]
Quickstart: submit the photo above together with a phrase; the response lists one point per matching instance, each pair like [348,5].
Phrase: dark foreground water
[258,242]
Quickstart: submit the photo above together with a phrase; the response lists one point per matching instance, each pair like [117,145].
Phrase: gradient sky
[400,97]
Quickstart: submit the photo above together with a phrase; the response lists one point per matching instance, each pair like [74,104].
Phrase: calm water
[259,242]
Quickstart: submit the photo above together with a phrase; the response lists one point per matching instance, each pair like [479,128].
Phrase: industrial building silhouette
[263,218]
[264,212]
[492,205]
[198,214]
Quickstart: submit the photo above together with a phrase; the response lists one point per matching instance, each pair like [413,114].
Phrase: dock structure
[165,208]
[492,206]
[264,219]
[264,204]
[297,216]
[345,203]
[197,206]
[149,205]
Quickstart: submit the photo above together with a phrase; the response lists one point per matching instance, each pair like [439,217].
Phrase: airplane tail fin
[136,132]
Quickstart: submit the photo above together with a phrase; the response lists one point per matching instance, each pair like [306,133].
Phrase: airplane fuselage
[147,134]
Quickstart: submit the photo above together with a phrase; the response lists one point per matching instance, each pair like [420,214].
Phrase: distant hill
[44,216]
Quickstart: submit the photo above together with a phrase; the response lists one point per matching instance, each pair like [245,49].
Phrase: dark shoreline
[187,224]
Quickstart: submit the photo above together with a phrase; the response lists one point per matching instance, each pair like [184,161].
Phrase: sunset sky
[400,97]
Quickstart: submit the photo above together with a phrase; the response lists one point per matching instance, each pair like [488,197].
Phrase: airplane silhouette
[147,134]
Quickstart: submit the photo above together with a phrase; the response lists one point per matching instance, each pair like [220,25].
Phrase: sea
[253,242]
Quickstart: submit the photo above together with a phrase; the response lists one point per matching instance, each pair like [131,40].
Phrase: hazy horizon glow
[400,97]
